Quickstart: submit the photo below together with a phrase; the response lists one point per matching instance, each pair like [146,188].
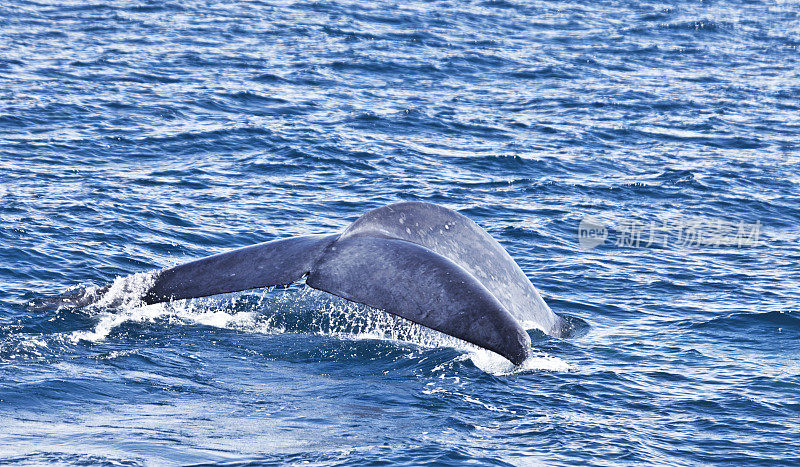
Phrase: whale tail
[400,277]
[419,261]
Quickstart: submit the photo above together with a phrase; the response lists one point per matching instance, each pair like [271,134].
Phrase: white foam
[497,365]
[180,312]
[312,312]
[108,321]
[127,291]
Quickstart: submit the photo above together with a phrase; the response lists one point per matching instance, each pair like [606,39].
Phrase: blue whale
[419,261]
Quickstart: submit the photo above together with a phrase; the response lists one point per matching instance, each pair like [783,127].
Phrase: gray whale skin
[419,261]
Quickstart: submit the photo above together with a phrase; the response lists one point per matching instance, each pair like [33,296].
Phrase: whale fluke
[415,283]
[416,260]
[462,241]
[279,262]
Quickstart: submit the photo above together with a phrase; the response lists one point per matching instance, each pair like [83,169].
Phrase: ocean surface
[640,160]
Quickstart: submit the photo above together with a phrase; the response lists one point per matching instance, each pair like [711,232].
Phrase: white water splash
[122,303]
[127,291]
[309,311]
[186,312]
[497,365]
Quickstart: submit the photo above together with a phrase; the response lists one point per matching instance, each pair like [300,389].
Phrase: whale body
[419,261]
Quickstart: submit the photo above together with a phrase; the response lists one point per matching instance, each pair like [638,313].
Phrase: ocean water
[136,135]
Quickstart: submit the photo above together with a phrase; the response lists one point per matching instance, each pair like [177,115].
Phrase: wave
[783,321]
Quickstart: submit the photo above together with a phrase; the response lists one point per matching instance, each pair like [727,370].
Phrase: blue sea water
[137,134]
